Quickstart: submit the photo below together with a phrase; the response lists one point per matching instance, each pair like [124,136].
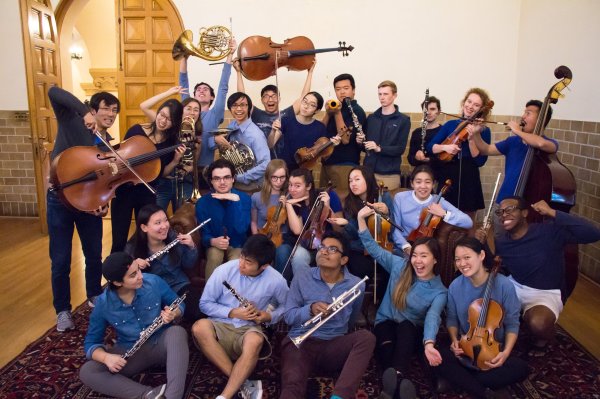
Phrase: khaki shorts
[231,338]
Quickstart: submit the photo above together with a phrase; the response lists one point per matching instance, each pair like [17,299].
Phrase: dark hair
[108,99]
[236,96]
[198,124]
[433,99]
[539,104]
[407,276]
[219,164]
[115,267]
[521,202]
[259,248]
[212,91]
[272,88]
[345,76]
[307,175]
[422,169]
[476,246]
[175,113]
[319,98]
[353,203]
[139,240]
[341,238]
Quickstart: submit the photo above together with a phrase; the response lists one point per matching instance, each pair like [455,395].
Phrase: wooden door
[42,60]
[147,31]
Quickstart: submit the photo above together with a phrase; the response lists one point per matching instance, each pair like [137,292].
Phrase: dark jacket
[390,132]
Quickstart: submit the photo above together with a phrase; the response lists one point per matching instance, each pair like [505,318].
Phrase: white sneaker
[64,321]
[251,389]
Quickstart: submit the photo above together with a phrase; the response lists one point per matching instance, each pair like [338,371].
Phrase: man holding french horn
[322,305]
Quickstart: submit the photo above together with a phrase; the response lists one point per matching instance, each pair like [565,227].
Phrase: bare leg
[205,335]
[244,366]
[540,320]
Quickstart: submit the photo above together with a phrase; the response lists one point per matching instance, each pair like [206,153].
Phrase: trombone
[338,304]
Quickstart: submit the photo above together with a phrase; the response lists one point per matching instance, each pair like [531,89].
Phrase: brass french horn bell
[213,44]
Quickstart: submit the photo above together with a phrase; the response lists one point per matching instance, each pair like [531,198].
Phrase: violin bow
[125,162]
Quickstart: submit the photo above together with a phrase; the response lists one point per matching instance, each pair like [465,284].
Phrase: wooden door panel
[135,64]
[133,5]
[162,64]
[162,32]
[135,30]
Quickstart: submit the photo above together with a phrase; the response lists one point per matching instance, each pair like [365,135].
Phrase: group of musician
[282,247]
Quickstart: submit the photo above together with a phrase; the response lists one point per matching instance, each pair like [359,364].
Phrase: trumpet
[333,104]
[338,304]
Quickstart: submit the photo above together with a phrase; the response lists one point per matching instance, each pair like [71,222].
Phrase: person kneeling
[132,296]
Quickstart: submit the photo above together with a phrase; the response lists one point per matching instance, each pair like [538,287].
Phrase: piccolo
[170,245]
[385,217]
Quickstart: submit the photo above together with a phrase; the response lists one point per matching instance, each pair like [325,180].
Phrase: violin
[485,316]
[427,221]
[313,234]
[86,178]
[260,57]
[460,134]
[276,216]
[380,227]
[308,158]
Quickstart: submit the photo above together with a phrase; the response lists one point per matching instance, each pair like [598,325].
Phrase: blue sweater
[462,292]
[233,215]
[425,300]
[447,130]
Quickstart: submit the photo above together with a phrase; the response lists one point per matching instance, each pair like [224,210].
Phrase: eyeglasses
[278,178]
[164,116]
[269,96]
[330,250]
[507,210]
[222,179]
[109,110]
[309,103]
[243,105]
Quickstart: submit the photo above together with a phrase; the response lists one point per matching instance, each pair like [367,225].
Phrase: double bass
[544,177]
[427,221]
[260,57]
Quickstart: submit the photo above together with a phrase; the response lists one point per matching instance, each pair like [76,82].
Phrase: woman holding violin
[410,314]
[297,239]
[408,207]
[163,133]
[267,198]
[503,369]
[462,159]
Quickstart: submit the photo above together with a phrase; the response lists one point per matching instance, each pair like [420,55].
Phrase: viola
[276,216]
[380,227]
[427,221]
[312,236]
[485,316]
[460,134]
[260,57]
[86,178]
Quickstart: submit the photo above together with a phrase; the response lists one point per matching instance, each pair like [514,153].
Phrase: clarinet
[424,125]
[170,245]
[357,125]
[243,301]
[151,329]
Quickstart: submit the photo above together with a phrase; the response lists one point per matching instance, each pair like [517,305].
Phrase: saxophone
[151,329]
[357,125]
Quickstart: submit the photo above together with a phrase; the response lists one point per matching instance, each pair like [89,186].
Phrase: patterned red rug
[48,368]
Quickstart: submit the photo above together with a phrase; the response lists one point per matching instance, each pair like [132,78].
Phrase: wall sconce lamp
[76,52]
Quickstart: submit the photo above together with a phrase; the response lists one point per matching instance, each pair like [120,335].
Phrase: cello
[485,316]
[427,221]
[544,177]
[85,178]
[260,57]
[460,134]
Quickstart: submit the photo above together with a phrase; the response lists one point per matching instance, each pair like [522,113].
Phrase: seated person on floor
[232,337]
[409,315]
[332,347]
[409,204]
[502,369]
[229,211]
[153,232]
[132,295]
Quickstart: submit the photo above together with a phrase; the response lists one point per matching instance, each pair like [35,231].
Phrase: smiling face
[203,95]
[163,119]
[192,109]
[297,187]
[270,101]
[469,262]
[157,227]
[422,261]
[239,110]
[511,217]
[472,105]
[357,184]
[106,115]
[423,185]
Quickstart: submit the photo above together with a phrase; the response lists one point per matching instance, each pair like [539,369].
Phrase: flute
[170,245]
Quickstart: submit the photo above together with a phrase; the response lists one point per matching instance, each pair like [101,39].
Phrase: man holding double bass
[76,124]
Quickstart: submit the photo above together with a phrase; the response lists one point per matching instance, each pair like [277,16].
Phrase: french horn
[213,44]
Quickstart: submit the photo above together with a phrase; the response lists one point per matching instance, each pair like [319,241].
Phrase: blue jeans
[301,259]
[61,223]
[166,192]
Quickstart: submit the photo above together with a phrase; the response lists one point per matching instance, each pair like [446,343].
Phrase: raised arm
[148,104]
[183,77]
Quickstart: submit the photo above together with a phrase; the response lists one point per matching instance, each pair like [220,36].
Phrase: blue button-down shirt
[251,135]
[425,301]
[128,320]
[268,288]
[307,288]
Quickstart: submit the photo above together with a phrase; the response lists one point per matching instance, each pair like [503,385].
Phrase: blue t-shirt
[261,208]
[296,135]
